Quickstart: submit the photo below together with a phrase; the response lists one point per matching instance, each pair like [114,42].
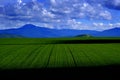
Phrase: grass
[58,53]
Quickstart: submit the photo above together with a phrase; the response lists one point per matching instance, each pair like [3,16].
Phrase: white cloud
[118,24]
[110,24]
[47,13]
[104,26]
[19,1]
[106,15]
[73,24]
[95,24]
[116,2]
[53,2]
[98,24]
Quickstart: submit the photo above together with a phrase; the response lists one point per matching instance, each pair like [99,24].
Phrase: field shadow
[87,41]
[105,41]
[76,73]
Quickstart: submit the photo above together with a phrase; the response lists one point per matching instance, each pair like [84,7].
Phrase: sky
[60,14]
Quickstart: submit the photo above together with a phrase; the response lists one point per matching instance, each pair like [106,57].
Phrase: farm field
[58,53]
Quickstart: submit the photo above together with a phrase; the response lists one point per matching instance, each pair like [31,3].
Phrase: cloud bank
[60,14]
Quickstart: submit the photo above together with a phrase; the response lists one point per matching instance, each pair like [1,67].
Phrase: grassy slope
[35,53]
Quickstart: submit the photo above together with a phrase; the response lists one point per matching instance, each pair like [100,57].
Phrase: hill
[84,36]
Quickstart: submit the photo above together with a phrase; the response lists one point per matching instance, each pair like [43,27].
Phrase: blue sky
[61,14]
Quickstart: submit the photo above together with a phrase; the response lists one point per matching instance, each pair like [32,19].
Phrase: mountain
[115,32]
[32,31]
[10,36]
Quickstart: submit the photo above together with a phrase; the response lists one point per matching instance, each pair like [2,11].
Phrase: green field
[55,53]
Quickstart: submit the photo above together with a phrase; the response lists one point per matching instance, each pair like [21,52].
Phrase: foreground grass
[42,53]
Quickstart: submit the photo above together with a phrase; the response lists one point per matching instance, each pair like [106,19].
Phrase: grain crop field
[57,53]
[40,53]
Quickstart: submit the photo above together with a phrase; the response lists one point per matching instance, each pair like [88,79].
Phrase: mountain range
[32,31]
[115,32]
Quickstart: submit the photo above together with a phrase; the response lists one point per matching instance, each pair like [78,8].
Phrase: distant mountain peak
[29,26]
